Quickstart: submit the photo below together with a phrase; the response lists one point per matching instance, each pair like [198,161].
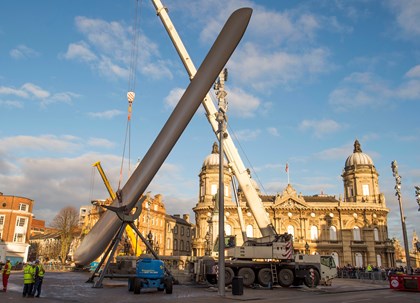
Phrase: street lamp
[397,187]
[207,250]
[221,118]
[150,239]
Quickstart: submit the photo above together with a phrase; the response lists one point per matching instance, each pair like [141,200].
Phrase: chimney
[177,216]
[186,217]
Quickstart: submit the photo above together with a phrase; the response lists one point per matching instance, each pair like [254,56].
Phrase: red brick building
[15,223]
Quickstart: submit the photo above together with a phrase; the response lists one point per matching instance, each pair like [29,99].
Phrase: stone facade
[352,228]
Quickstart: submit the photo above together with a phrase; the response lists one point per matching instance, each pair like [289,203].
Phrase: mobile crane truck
[269,259]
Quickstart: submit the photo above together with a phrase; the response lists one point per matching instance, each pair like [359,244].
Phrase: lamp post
[221,118]
[207,250]
[150,239]
[397,187]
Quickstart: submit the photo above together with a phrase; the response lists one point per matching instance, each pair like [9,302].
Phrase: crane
[232,155]
[135,244]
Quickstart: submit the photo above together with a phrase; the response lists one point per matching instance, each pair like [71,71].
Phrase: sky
[307,79]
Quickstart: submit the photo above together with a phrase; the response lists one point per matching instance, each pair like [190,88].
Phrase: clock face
[394,283]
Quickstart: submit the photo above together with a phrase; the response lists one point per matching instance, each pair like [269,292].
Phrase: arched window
[333,233]
[175,244]
[168,243]
[356,233]
[291,230]
[181,245]
[335,256]
[314,232]
[378,260]
[228,230]
[213,189]
[249,231]
[376,234]
[359,259]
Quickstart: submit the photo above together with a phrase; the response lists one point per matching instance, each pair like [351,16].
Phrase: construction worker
[6,274]
[28,279]
[39,276]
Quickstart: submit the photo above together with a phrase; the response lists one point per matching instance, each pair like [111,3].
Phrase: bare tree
[66,223]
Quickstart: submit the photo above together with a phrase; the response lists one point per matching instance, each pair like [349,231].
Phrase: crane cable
[131,86]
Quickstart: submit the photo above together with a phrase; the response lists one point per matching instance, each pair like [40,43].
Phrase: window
[226,191]
[155,207]
[182,230]
[249,231]
[376,234]
[2,221]
[314,233]
[378,260]
[213,189]
[23,207]
[188,246]
[181,245]
[1,235]
[176,229]
[175,244]
[228,230]
[350,191]
[169,227]
[356,234]
[291,230]
[168,243]
[333,233]
[365,188]
[359,259]
[19,238]
[20,221]
[335,257]
[188,232]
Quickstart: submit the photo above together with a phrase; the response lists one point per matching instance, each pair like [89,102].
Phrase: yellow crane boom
[135,243]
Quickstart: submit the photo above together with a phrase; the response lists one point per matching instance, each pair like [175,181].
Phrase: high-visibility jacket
[28,274]
[7,268]
[41,271]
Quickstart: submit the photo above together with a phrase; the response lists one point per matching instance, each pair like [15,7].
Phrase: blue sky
[308,78]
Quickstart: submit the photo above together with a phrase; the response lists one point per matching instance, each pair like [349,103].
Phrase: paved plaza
[71,287]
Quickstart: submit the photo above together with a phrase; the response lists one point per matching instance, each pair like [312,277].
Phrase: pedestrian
[28,280]
[39,276]
[6,274]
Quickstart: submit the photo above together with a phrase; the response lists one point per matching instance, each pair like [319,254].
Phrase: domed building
[352,228]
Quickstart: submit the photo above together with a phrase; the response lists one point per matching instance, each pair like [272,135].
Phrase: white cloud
[107,48]
[242,104]
[174,96]
[407,16]
[246,134]
[320,128]
[273,131]
[414,72]
[23,52]
[80,51]
[108,114]
[100,142]
[11,104]
[264,70]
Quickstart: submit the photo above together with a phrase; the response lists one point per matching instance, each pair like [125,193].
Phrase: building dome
[358,157]
[213,158]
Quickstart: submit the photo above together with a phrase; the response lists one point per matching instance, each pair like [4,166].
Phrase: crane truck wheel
[248,275]
[264,277]
[312,281]
[229,275]
[286,277]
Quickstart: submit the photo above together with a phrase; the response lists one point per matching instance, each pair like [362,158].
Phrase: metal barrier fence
[360,274]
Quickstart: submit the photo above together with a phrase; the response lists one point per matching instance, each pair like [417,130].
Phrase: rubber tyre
[137,286]
[248,275]
[286,277]
[169,285]
[308,280]
[265,277]
[229,274]
[130,284]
